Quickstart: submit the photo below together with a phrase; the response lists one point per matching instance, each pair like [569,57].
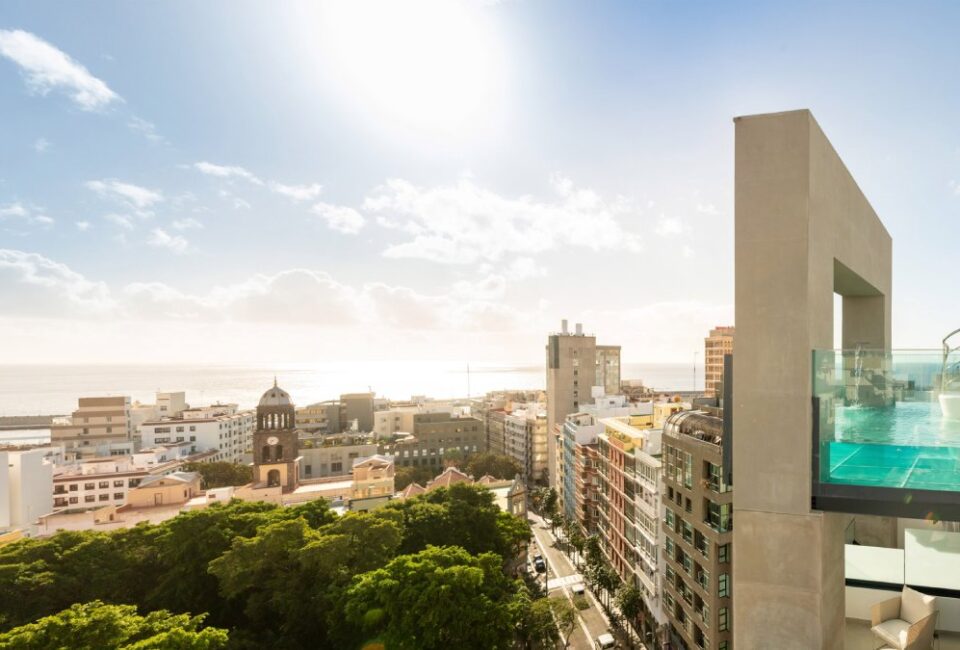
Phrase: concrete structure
[26,492]
[222,428]
[373,477]
[804,231]
[628,462]
[356,407]
[275,442]
[322,417]
[100,426]
[334,456]
[434,434]
[717,344]
[698,521]
[573,369]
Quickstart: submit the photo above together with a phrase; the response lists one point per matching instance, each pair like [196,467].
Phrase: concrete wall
[798,213]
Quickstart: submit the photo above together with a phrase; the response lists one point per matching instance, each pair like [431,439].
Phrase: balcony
[887,431]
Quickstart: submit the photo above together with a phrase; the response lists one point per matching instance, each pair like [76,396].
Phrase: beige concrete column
[803,231]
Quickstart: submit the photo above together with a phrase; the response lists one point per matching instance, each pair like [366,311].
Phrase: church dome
[275,396]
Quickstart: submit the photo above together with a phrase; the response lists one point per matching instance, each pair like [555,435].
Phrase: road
[562,575]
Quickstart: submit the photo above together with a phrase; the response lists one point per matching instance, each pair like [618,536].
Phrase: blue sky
[253,181]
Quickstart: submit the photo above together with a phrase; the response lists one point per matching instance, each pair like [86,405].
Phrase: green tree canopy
[221,473]
[496,465]
[437,598]
[97,626]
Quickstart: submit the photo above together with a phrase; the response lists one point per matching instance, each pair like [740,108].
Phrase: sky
[238,182]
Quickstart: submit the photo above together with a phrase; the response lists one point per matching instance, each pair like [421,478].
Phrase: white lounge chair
[906,622]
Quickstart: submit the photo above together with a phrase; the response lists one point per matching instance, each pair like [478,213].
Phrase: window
[73,487]
[670,519]
[670,547]
[134,482]
[718,516]
[723,585]
[308,469]
[74,499]
[89,486]
[117,484]
[104,497]
[104,485]
[687,532]
[722,623]
[336,467]
[118,496]
[723,553]
[89,498]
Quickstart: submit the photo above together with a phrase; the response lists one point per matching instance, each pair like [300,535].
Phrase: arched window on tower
[265,454]
[273,478]
[278,452]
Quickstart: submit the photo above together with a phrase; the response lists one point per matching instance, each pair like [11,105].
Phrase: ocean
[54,389]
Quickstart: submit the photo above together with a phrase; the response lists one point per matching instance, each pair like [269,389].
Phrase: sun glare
[430,65]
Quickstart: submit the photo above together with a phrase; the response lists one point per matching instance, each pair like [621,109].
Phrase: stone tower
[275,444]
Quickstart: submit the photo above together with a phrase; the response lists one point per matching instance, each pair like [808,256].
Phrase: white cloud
[129,194]
[668,226]
[83,226]
[40,145]
[226,171]
[297,192]
[121,220]
[340,218]
[186,223]
[466,223]
[46,68]
[31,215]
[145,128]
[36,285]
[162,239]
[707,208]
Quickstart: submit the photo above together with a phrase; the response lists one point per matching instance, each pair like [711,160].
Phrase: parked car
[538,564]
[605,642]
[577,589]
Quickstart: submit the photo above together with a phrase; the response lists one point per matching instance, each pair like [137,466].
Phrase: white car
[605,642]
[577,589]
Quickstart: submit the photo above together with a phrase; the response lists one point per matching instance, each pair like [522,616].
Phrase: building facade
[698,526]
[222,428]
[26,477]
[334,457]
[629,468]
[434,435]
[100,426]
[715,346]
[525,440]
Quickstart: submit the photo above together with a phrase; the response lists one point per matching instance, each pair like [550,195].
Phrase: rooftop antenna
[468,381]
[694,386]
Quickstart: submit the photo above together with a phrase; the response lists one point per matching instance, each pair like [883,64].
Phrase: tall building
[357,407]
[100,426]
[525,440]
[275,442]
[26,492]
[574,367]
[434,436]
[629,464]
[715,346]
[698,526]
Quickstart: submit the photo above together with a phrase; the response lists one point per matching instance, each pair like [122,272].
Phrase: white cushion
[893,632]
[915,606]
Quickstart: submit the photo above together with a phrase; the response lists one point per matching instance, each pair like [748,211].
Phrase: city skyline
[298,184]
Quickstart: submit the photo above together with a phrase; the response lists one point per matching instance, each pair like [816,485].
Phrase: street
[562,575]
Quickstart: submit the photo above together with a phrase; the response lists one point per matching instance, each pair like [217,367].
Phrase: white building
[98,482]
[167,405]
[219,427]
[525,440]
[25,490]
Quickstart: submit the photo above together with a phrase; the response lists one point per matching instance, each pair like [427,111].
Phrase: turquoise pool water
[907,445]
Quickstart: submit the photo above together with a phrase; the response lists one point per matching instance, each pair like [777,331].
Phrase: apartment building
[100,426]
[219,427]
[433,435]
[322,417]
[525,440]
[577,482]
[698,525]
[629,468]
[715,346]
[574,367]
[107,481]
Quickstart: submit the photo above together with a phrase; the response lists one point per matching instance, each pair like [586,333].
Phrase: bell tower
[275,442]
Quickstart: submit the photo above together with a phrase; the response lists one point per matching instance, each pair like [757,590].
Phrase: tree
[577,541]
[629,600]
[565,615]
[437,598]
[550,508]
[220,473]
[95,626]
[496,465]
[405,475]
